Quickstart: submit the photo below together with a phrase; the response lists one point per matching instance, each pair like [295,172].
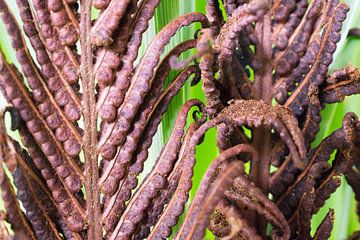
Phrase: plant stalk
[260,170]
[90,125]
[262,91]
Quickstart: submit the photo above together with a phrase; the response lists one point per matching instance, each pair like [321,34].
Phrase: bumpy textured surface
[79,87]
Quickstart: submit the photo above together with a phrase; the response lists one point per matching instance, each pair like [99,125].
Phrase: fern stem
[259,172]
[90,125]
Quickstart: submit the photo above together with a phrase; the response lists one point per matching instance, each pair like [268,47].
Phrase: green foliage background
[348,51]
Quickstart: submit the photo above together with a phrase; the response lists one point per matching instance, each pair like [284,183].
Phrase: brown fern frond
[84,113]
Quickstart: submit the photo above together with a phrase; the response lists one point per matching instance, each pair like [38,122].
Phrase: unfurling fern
[87,112]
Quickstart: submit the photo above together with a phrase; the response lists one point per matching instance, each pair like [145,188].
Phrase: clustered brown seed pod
[57,92]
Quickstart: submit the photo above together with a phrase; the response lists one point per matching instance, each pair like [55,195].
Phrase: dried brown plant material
[44,100]
[161,206]
[225,42]
[227,216]
[245,194]
[52,74]
[16,93]
[101,4]
[113,96]
[157,178]
[4,232]
[42,224]
[325,227]
[355,235]
[111,59]
[341,83]
[213,102]
[169,214]
[214,14]
[64,20]
[48,209]
[90,138]
[223,181]
[254,52]
[107,23]
[63,58]
[355,32]
[280,118]
[297,46]
[201,209]
[14,213]
[302,60]
[145,127]
[116,132]
[292,14]
[313,118]
[323,58]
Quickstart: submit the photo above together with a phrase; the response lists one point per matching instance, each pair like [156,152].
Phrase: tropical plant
[87,111]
